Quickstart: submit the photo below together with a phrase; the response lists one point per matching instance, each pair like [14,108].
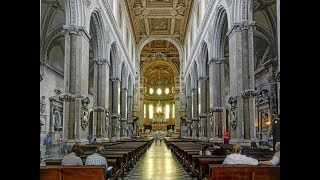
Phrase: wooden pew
[50,173]
[50,163]
[243,172]
[72,172]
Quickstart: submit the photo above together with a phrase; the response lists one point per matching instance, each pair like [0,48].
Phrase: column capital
[113,79]
[203,77]
[77,30]
[67,97]
[99,109]
[123,119]
[238,26]
[216,109]
[249,93]
[100,61]
[202,115]
[216,60]
[124,89]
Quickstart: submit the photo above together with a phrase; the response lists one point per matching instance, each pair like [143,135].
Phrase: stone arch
[174,41]
[96,25]
[220,29]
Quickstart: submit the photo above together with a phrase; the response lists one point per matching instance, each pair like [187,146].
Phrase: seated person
[204,151]
[98,159]
[217,150]
[276,157]
[237,158]
[253,145]
[94,141]
[73,159]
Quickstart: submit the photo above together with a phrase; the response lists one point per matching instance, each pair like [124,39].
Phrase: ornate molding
[100,61]
[67,97]
[217,109]
[113,79]
[202,115]
[272,79]
[217,60]
[99,109]
[77,30]
[245,25]
[249,93]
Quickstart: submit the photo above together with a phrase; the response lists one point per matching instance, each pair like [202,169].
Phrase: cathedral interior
[120,70]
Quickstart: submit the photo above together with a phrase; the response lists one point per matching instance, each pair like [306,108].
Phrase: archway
[159,65]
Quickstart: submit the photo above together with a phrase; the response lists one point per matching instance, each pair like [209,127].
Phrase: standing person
[48,143]
[226,137]
[156,139]
[73,159]
[97,159]
[276,157]
[204,151]
[237,158]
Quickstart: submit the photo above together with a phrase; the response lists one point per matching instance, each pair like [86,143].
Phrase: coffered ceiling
[159,17]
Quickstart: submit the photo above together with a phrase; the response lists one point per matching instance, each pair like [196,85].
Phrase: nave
[158,163]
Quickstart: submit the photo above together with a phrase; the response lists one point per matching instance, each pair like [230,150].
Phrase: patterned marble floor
[158,163]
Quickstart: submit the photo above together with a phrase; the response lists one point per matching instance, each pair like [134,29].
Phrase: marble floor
[158,163]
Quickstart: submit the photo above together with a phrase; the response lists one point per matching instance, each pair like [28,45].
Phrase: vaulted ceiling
[157,61]
[159,17]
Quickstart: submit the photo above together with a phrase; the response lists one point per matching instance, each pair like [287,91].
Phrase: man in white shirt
[237,158]
[275,159]
[98,159]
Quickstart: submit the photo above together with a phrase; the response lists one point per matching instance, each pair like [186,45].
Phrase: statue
[85,113]
[42,105]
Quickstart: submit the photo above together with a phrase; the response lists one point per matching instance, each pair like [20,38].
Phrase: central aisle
[158,163]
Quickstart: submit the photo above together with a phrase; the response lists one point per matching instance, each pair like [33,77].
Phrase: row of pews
[123,155]
[186,152]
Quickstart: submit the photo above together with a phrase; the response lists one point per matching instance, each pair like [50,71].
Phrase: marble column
[115,114]
[75,80]
[211,124]
[130,127]
[242,79]
[216,108]
[202,83]
[124,106]
[194,96]
[189,116]
[278,36]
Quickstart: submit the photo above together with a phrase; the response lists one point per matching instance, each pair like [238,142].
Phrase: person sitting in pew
[73,159]
[276,157]
[98,159]
[237,158]
[204,151]
[217,150]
